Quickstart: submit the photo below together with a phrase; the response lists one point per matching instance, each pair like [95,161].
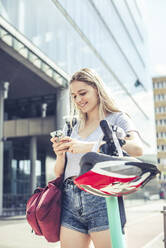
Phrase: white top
[119,119]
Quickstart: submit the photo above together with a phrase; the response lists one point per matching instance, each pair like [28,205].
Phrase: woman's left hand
[77,146]
[133,145]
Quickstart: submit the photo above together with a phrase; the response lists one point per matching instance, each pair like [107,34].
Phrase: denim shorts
[82,211]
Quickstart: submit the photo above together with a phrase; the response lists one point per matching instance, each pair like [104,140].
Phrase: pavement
[15,232]
[157,242]
[145,223]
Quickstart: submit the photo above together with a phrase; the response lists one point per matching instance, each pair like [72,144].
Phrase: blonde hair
[106,103]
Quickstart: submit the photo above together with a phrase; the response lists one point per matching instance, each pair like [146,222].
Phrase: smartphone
[58,134]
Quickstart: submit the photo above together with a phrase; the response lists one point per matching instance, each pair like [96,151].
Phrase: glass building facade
[105,35]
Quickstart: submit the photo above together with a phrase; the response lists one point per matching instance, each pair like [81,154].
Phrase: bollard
[164,219]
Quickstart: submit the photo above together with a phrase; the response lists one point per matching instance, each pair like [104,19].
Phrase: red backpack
[43,210]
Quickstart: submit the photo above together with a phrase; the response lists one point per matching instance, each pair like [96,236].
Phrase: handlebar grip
[107,130]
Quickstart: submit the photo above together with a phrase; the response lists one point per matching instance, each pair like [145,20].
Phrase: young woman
[84,216]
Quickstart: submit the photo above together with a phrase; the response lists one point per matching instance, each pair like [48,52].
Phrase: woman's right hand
[60,147]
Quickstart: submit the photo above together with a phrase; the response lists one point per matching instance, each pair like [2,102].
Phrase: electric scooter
[110,174]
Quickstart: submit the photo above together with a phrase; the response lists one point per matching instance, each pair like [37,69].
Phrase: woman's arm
[60,149]
[133,147]
[59,165]
[76,146]
[133,144]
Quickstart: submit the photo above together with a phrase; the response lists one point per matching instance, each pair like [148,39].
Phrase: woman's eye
[82,94]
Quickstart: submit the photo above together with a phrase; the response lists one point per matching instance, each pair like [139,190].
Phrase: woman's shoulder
[116,118]
[115,115]
[122,120]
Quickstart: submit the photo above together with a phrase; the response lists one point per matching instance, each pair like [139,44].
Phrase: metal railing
[14,204]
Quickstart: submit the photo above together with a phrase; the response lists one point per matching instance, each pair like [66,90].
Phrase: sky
[154,17]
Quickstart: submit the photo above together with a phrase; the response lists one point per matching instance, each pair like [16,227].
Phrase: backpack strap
[70,125]
[69,131]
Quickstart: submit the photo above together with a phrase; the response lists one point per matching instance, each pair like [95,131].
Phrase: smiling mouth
[82,105]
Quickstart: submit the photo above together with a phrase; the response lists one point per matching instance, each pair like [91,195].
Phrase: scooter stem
[117,237]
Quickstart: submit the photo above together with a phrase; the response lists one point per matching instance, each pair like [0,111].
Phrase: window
[30,107]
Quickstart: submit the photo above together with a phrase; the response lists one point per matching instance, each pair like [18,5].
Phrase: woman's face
[84,96]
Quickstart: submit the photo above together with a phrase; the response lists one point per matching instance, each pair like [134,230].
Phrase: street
[144,229]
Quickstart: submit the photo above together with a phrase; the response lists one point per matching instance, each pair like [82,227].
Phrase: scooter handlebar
[107,130]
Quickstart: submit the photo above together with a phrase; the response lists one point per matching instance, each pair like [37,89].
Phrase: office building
[159,89]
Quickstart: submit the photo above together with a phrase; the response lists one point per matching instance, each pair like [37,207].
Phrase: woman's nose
[78,99]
